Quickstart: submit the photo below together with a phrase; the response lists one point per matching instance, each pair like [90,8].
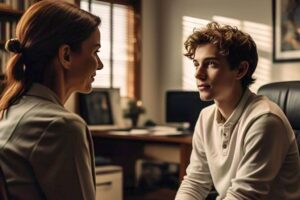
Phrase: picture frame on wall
[286,30]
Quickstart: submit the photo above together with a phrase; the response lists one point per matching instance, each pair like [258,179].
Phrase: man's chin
[205,98]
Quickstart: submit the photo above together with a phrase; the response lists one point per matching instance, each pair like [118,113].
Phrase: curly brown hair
[232,43]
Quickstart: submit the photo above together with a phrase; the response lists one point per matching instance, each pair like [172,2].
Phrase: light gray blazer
[46,152]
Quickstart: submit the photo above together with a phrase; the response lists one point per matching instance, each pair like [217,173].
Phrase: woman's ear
[242,70]
[64,56]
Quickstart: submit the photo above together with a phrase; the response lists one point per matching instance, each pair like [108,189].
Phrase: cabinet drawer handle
[108,183]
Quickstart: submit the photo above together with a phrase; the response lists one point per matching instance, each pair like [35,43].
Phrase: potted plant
[133,111]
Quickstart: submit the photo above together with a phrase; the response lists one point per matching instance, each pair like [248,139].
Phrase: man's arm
[265,147]
[197,183]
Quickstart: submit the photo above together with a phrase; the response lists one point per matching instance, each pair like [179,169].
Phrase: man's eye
[196,64]
[212,63]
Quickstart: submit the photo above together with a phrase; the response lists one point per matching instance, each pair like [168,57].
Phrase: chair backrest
[287,95]
[3,187]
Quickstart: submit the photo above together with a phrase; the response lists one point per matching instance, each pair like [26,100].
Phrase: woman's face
[85,63]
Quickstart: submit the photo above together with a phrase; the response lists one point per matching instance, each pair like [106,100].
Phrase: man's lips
[203,87]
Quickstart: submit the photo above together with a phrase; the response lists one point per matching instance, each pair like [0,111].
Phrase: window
[119,45]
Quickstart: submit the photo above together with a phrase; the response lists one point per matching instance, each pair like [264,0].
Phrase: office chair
[287,95]
[3,187]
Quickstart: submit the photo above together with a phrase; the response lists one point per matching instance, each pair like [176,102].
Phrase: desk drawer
[109,183]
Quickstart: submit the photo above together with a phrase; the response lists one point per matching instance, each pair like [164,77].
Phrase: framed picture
[101,108]
[286,30]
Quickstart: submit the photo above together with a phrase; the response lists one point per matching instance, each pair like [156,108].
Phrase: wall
[162,43]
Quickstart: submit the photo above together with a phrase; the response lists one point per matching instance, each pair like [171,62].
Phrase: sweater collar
[235,115]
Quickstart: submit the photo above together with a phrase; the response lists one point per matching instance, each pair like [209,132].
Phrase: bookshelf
[10,12]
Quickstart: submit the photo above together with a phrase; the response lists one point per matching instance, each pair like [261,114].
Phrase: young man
[243,144]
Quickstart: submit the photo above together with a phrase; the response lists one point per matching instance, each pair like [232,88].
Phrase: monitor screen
[184,106]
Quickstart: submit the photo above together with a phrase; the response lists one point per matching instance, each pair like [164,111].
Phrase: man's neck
[227,106]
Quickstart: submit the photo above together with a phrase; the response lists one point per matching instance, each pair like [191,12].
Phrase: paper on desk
[131,132]
[163,128]
[139,131]
[166,133]
[157,131]
[119,132]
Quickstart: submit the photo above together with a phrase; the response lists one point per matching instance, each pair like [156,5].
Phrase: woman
[46,151]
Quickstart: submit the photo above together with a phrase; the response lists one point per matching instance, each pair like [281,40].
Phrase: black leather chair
[287,95]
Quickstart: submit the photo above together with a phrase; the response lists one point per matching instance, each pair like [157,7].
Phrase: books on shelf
[10,13]
[19,5]
[8,30]
[4,56]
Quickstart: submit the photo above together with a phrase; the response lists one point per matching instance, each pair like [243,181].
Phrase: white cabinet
[109,183]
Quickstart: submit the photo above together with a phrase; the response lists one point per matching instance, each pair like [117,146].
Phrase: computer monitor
[101,108]
[184,106]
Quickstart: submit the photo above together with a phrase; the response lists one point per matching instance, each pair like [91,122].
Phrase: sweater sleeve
[265,146]
[198,182]
[62,162]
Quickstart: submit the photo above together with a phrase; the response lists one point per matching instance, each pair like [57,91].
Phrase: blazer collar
[41,91]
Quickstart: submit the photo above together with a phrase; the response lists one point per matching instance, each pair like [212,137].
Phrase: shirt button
[224,146]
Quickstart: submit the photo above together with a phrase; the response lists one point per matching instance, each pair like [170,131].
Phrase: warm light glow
[262,73]
[227,21]
[261,34]
[122,52]
[188,69]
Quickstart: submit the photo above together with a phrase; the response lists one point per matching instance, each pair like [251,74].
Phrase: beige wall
[162,43]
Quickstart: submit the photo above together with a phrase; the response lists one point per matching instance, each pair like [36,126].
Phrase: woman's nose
[100,64]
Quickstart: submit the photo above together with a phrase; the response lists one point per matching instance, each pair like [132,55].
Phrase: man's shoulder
[259,105]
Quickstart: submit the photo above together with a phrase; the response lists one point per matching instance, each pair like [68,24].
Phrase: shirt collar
[235,115]
[41,91]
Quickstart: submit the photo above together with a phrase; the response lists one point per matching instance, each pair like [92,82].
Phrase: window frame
[136,71]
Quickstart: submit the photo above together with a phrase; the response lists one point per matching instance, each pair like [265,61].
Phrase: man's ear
[242,70]
[64,56]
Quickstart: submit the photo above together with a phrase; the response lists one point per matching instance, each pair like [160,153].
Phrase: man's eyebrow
[208,58]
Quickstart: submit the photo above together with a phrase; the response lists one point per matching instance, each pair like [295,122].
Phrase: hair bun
[13,45]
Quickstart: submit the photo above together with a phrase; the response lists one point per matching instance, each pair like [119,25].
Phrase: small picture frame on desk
[96,108]
[101,108]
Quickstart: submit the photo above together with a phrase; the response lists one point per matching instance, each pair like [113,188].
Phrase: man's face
[215,80]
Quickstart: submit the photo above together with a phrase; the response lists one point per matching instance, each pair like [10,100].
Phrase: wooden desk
[126,149]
